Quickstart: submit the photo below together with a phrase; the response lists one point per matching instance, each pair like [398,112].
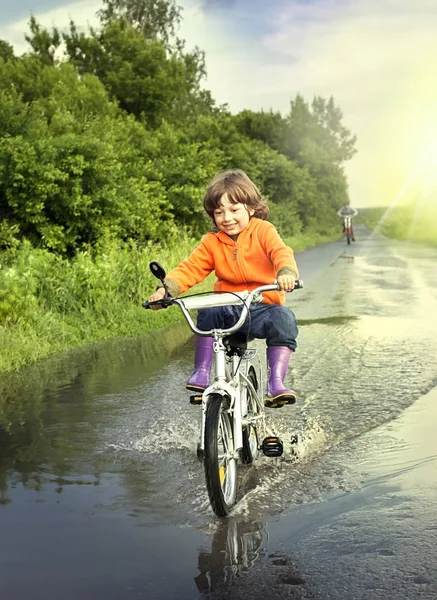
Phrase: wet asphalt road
[101,494]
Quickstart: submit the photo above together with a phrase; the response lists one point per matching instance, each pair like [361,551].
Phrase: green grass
[310,239]
[415,222]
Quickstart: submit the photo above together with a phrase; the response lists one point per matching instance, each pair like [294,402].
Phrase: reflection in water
[235,546]
[49,418]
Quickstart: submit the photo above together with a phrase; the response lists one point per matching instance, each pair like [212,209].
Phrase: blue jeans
[271,322]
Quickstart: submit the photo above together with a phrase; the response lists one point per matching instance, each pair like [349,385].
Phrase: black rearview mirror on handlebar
[157,270]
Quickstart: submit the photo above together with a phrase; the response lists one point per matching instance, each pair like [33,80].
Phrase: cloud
[207,4]
[376,57]
[82,12]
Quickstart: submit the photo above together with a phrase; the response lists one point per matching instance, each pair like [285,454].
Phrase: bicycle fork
[224,389]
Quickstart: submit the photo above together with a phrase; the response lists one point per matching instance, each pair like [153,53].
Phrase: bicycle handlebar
[244,298]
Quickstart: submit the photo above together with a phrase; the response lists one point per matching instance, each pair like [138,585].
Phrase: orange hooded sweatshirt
[255,258]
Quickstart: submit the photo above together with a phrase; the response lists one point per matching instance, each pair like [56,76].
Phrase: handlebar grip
[164,302]
[298,284]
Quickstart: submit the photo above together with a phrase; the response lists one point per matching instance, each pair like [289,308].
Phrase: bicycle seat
[237,341]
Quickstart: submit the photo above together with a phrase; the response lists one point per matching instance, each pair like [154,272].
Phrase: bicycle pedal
[272,446]
[196,399]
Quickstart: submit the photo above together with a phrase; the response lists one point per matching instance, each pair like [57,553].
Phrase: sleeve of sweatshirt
[281,255]
[190,271]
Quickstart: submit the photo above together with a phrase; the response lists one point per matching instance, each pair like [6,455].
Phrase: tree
[139,73]
[72,167]
[317,140]
[44,44]
[155,19]
[6,51]
[318,127]
[337,138]
[269,127]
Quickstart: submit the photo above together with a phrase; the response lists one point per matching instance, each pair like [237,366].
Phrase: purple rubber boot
[278,358]
[199,378]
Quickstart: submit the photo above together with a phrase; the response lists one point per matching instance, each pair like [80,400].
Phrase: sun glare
[413,210]
[430,170]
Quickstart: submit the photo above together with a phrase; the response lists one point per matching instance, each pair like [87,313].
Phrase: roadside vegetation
[415,221]
[107,141]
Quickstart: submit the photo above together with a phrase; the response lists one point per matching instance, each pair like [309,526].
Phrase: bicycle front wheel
[219,460]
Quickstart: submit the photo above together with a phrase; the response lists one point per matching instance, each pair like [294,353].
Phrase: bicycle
[236,545]
[233,416]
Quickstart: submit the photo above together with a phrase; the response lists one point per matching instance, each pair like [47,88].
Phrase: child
[245,251]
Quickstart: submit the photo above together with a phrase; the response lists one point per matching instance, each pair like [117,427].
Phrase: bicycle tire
[220,469]
[250,433]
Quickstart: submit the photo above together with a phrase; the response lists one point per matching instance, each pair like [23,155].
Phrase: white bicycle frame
[227,383]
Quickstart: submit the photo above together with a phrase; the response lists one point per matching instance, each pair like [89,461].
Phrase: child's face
[231,218]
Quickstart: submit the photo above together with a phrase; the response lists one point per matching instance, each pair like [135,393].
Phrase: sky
[375,57]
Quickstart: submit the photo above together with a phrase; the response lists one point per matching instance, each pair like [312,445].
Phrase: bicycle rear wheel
[250,433]
[219,460]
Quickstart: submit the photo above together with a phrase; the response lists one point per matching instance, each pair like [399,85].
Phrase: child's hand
[286,282]
[158,295]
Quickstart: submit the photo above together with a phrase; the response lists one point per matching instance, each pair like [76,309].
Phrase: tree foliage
[155,19]
[109,132]
[43,42]
[6,51]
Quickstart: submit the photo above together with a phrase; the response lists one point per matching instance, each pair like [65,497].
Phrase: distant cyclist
[347,211]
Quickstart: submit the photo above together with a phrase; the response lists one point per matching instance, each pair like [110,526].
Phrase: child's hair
[238,189]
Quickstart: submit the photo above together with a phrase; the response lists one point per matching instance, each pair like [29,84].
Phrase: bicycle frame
[227,383]
[230,381]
